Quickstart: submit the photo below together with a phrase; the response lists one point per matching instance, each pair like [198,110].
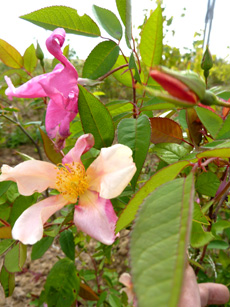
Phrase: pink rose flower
[60,86]
[104,179]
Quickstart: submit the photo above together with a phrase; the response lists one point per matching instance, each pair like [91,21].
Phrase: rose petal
[60,86]
[173,86]
[111,171]
[130,295]
[125,279]
[31,176]
[54,43]
[30,89]
[67,81]
[29,226]
[95,216]
[83,144]
[60,80]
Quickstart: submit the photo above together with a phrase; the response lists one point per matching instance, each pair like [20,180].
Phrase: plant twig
[205,247]
[16,122]
[96,273]
[112,71]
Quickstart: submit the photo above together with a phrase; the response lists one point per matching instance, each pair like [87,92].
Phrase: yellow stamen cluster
[71,181]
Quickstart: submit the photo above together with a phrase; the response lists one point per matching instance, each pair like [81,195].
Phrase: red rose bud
[193,81]
[173,86]
[186,86]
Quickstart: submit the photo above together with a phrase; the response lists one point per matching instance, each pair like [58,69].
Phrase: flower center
[71,181]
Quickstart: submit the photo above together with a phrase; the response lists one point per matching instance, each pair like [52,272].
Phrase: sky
[20,33]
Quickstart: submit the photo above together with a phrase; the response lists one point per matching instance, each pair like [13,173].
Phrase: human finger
[211,293]
[190,295]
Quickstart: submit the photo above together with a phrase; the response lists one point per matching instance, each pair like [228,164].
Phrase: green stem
[222,103]
[205,247]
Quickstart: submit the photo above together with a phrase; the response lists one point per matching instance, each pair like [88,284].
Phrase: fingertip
[211,293]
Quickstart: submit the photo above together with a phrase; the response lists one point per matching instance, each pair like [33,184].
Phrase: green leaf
[136,133]
[220,152]
[62,284]
[199,237]
[207,183]
[15,258]
[30,59]
[119,110]
[198,215]
[224,259]
[49,148]
[7,281]
[67,243]
[119,107]
[218,244]
[159,241]
[102,298]
[210,120]
[12,192]
[5,244]
[16,76]
[122,75]
[224,132]
[101,59]
[64,17]
[9,55]
[170,152]
[4,209]
[224,95]
[220,226]
[4,185]
[133,65]
[108,21]
[41,247]
[114,301]
[151,39]
[124,9]
[95,118]
[164,175]
[157,104]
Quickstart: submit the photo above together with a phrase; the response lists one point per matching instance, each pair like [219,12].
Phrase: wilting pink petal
[96,217]
[60,112]
[68,79]
[111,171]
[84,143]
[30,89]
[31,176]
[125,279]
[29,226]
[60,85]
